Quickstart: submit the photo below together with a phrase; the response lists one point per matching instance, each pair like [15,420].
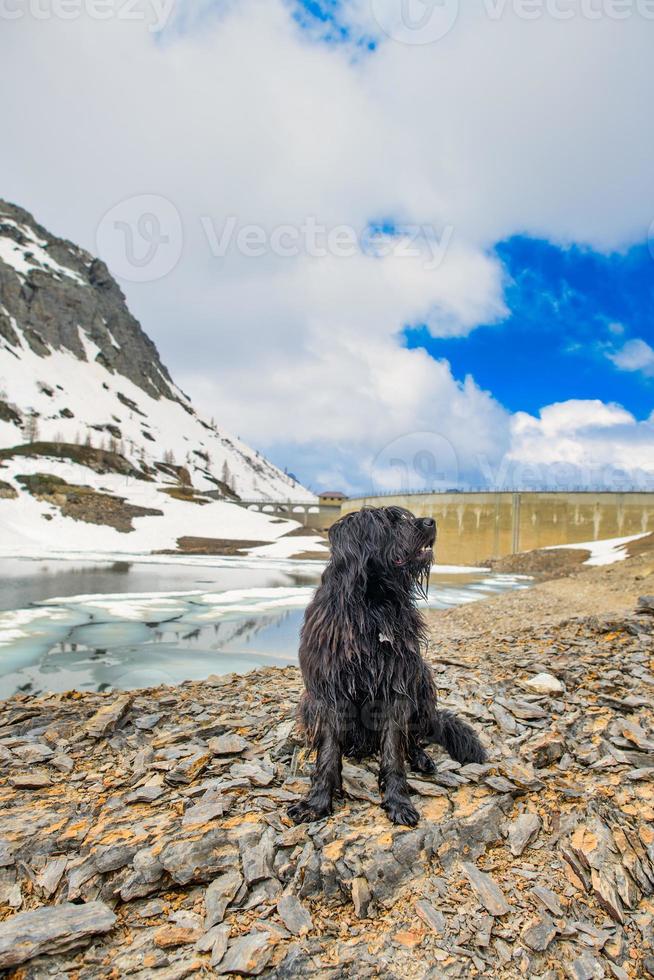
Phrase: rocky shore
[145,834]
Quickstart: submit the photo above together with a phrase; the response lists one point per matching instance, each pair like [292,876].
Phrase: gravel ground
[145,834]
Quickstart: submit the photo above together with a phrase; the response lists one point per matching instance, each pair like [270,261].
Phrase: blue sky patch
[571,310]
[324,19]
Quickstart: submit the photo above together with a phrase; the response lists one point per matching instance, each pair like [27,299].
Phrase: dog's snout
[428,523]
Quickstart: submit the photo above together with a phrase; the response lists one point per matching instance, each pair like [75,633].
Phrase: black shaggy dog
[368,688]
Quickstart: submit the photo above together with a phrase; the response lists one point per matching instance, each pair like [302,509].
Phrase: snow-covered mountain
[83,386]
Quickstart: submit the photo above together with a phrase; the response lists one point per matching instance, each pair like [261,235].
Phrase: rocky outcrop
[52,309]
[84,503]
[7,492]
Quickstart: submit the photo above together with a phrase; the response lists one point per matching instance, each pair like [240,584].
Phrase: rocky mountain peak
[55,290]
[77,369]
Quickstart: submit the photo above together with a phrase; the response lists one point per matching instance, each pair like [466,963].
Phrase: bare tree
[31,426]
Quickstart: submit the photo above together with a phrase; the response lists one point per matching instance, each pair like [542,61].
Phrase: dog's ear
[338,532]
[354,539]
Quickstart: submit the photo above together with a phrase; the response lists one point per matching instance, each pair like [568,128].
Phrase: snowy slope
[76,370]
[87,394]
[71,352]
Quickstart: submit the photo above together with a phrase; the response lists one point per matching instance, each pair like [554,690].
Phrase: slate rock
[188,769]
[294,915]
[53,929]
[145,794]
[218,895]
[147,722]
[49,878]
[170,936]
[489,892]
[228,745]
[546,749]
[257,773]
[198,858]
[523,831]
[212,805]
[431,916]
[207,940]
[249,955]
[545,684]
[220,935]
[361,897]
[521,773]
[539,933]
[586,967]
[257,860]
[30,780]
[144,878]
[547,898]
[108,716]
[6,854]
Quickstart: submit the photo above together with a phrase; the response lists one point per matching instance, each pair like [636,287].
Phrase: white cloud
[242,115]
[581,443]
[636,355]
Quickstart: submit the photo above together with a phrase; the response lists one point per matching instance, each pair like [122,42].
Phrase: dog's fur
[368,689]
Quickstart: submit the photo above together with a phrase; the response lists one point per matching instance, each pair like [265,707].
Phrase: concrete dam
[473,527]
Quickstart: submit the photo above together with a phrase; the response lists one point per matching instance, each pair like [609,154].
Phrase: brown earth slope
[152,825]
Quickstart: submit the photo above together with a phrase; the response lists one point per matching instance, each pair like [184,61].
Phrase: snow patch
[604,552]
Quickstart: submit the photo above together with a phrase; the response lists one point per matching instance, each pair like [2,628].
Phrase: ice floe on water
[146,606]
[141,639]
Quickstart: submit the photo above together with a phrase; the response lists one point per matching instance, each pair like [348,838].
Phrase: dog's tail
[457,738]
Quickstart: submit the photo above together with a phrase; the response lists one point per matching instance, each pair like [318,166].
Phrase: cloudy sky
[391,243]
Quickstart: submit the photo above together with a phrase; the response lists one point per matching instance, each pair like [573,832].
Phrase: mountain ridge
[56,298]
[100,451]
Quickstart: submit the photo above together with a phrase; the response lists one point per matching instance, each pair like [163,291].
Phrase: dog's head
[386,543]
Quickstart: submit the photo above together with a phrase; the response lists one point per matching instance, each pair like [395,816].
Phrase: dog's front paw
[402,812]
[304,811]
[420,761]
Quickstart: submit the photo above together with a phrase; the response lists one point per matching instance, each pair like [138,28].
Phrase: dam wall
[473,527]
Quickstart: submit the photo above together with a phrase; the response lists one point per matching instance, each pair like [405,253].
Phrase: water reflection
[141,641]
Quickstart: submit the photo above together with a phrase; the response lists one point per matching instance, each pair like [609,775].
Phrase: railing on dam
[572,488]
[310,513]
[477,525]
